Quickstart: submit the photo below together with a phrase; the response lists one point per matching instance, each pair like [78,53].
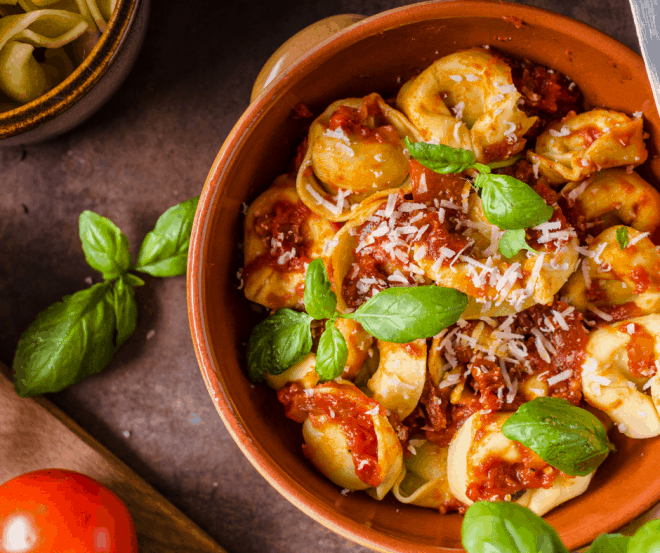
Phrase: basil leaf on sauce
[564,436]
[512,242]
[105,246]
[332,353]
[610,543]
[278,342]
[511,204]
[490,527]
[441,158]
[68,341]
[622,237]
[402,315]
[646,539]
[320,300]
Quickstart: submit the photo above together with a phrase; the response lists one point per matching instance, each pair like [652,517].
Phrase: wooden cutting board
[34,434]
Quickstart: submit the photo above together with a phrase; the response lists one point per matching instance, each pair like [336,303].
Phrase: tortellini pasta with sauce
[619,374]
[355,148]
[468,100]
[281,237]
[480,447]
[573,314]
[581,144]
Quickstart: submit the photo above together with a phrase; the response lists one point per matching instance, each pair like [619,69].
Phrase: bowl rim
[47,106]
[431,10]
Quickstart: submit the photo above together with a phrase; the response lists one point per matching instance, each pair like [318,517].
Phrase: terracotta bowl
[379,54]
[88,87]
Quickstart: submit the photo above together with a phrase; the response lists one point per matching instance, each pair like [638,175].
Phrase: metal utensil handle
[646,14]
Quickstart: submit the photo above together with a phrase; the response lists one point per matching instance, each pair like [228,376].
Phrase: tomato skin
[61,511]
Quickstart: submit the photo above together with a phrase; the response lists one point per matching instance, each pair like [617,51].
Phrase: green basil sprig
[508,203]
[394,315]
[507,528]
[510,528]
[512,242]
[564,436]
[622,237]
[78,336]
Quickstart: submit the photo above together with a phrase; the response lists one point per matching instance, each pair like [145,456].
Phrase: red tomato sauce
[349,410]
[364,122]
[281,231]
[499,480]
[641,351]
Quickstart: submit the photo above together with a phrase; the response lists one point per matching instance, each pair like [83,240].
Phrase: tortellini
[611,197]
[302,373]
[620,367]
[480,442]
[424,480]
[399,380]
[281,237]
[352,465]
[355,148]
[468,100]
[612,276]
[581,144]
[22,78]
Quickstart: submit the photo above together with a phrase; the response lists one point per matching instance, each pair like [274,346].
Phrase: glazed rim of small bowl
[213,372]
[75,86]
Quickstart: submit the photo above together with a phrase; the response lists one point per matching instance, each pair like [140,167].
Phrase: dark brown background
[149,148]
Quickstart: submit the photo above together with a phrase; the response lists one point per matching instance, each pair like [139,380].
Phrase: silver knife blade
[646,14]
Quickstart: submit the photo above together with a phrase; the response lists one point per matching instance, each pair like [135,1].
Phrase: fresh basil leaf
[490,527]
[646,539]
[105,246]
[278,342]
[164,251]
[511,204]
[622,237]
[609,543]
[441,158]
[481,167]
[126,309]
[331,354]
[512,242]
[402,315]
[320,300]
[133,280]
[67,342]
[564,436]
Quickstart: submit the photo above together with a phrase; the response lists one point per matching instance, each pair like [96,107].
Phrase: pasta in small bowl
[55,61]
[386,434]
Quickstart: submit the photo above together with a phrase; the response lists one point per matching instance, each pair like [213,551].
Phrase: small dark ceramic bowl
[379,54]
[88,87]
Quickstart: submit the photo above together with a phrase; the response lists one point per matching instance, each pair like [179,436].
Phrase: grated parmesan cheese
[564,375]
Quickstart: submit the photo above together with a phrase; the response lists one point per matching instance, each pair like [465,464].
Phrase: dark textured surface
[150,147]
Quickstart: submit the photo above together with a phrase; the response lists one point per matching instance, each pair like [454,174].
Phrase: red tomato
[61,511]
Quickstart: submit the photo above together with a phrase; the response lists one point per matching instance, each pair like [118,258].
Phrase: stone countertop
[148,148]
